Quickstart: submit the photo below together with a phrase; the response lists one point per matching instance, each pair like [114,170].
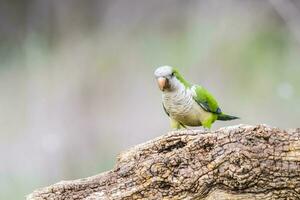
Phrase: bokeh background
[77,84]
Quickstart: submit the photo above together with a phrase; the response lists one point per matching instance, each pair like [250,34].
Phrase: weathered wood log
[240,162]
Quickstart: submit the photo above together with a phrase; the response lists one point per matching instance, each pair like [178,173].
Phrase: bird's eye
[172,74]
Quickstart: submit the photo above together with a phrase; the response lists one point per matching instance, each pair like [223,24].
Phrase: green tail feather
[224,117]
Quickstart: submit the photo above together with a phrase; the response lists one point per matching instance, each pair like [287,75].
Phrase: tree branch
[239,162]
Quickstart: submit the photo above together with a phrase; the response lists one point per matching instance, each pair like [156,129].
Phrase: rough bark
[239,162]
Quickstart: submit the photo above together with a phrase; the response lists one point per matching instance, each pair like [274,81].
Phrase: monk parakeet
[187,104]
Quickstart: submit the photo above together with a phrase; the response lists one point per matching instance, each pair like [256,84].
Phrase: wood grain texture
[238,162]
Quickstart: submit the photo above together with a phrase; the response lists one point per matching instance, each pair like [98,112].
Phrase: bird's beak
[162,83]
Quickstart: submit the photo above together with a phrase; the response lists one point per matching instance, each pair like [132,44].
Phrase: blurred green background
[77,84]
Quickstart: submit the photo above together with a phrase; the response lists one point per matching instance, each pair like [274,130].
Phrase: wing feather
[205,99]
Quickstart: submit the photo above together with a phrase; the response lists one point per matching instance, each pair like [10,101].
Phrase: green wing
[205,99]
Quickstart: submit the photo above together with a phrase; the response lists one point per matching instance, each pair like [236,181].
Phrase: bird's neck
[182,80]
[178,102]
[180,93]
[177,89]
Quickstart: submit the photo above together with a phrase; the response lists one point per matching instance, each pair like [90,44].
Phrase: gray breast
[178,103]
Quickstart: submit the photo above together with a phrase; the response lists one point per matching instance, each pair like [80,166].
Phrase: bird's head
[169,79]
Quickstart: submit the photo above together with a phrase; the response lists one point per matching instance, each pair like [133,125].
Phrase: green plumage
[187,104]
[206,100]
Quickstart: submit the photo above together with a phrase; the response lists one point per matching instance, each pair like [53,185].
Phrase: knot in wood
[242,171]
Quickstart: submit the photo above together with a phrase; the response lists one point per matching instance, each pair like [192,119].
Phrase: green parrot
[187,104]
